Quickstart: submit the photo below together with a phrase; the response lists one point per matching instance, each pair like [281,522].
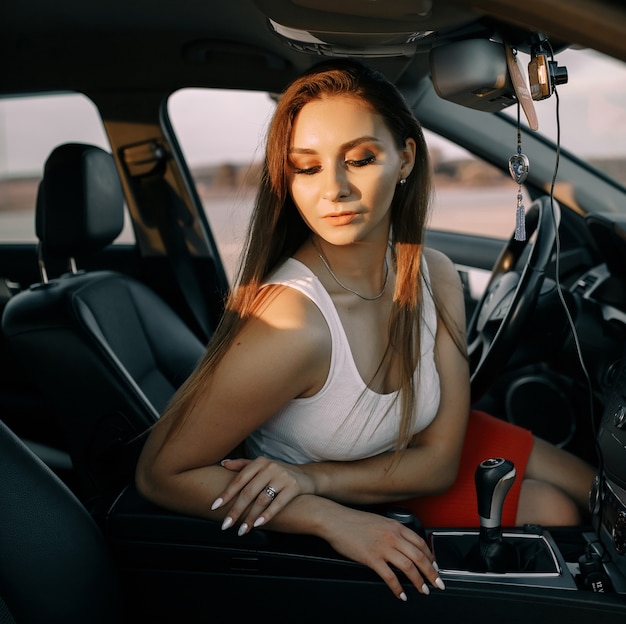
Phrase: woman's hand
[383,544]
[261,489]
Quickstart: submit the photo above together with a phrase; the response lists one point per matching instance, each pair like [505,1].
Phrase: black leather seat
[105,349]
[56,566]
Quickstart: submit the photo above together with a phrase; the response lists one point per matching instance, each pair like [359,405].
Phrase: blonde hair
[277,230]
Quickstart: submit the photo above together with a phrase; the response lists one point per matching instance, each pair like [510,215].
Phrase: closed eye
[362,162]
[307,170]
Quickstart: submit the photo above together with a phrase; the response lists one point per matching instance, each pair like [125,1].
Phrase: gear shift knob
[494,478]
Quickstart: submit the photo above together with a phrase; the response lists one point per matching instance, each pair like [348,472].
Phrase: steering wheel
[510,297]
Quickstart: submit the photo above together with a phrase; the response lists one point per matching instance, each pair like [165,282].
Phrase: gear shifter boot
[495,553]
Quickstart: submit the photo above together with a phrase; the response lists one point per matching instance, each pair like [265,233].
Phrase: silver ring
[270,491]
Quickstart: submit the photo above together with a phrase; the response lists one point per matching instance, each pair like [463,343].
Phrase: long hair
[277,230]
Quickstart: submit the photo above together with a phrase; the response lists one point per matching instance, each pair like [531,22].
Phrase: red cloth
[486,437]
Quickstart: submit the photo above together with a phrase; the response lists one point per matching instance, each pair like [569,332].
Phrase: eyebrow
[344,147]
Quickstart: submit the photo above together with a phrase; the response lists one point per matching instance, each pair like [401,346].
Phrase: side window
[30,128]
[470,195]
[221,134]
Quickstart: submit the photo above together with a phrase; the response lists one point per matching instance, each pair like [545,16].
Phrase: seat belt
[146,164]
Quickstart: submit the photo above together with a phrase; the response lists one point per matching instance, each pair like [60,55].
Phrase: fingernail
[439,583]
[403,597]
[227,523]
[435,566]
[224,461]
[258,522]
[217,503]
[425,589]
[243,529]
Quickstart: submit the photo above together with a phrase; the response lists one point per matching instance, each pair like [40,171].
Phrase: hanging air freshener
[518,164]
[518,168]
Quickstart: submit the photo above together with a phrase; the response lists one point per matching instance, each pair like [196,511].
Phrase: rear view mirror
[473,73]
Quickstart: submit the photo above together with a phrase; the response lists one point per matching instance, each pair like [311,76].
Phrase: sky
[219,126]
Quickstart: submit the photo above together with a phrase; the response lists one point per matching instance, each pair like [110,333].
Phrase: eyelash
[308,171]
[363,162]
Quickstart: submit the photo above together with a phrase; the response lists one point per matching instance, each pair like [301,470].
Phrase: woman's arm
[382,544]
[281,353]
[371,539]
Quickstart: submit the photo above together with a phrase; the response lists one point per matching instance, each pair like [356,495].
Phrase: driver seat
[106,351]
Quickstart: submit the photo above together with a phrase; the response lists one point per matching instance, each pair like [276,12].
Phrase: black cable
[570,320]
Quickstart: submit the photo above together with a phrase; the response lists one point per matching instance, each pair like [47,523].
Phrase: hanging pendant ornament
[518,164]
[518,168]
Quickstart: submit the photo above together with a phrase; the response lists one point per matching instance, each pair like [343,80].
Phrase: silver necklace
[378,296]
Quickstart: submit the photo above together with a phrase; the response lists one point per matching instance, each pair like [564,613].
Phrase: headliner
[143,45]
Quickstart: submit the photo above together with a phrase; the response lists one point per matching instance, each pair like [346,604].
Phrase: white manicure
[439,583]
[217,503]
[227,523]
[425,589]
[259,521]
[403,597]
[435,566]
[243,529]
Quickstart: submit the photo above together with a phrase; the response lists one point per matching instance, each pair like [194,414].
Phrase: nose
[335,183]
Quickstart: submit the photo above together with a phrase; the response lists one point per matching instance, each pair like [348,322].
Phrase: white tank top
[345,420]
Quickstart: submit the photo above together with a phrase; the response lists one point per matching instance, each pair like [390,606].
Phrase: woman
[340,362]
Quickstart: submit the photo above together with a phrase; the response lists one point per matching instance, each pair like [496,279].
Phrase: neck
[361,268]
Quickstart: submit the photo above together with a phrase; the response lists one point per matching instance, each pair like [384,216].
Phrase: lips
[341,218]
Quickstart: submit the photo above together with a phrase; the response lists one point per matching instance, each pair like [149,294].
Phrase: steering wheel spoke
[500,295]
[510,298]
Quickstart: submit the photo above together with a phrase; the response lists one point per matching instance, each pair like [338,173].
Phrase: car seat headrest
[80,203]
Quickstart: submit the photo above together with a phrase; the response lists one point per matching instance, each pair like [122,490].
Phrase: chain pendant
[518,168]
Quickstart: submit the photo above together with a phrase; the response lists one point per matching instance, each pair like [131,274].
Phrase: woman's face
[343,169]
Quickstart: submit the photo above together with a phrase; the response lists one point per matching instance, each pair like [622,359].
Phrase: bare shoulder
[288,331]
[446,285]
[284,308]
[440,267]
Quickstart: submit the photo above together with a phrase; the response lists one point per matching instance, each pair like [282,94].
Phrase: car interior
[109,299]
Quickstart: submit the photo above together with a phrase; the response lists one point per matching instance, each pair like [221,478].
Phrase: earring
[402,181]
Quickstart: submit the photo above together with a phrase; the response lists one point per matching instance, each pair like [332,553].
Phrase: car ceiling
[147,45]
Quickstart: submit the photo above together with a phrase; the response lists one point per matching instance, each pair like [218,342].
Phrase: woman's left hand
[260,490]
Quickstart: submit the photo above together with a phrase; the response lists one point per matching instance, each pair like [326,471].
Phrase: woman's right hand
[383,544]
[248,494]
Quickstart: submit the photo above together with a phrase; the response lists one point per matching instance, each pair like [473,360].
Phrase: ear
[407,158]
